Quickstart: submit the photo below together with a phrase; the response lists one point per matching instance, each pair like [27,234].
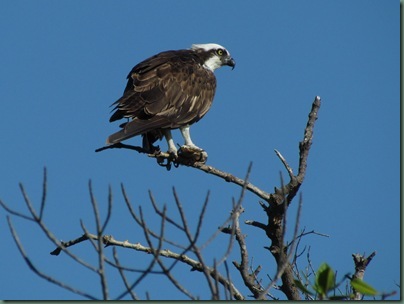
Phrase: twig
[109,210]
[34,217]
[192,241]
[109,240]
[303,233]
[242,267]
[156,255]
[138,221]
[198,228]
[144,273]
[226,266]
[286,165]
[123,146]
[100,250]
[181,257]
[39,273]
[122,274]
[160,213]
[13,212]
[80,239]
[44,191]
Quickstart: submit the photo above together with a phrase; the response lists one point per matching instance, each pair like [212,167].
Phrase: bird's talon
[193,154]
[173,155]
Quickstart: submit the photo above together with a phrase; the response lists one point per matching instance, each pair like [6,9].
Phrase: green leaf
[363,287]
[303,288]
[325,279]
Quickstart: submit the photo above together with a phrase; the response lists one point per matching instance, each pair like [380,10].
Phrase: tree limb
[361,262]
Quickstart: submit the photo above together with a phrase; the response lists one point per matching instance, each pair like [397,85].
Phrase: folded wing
[167,91]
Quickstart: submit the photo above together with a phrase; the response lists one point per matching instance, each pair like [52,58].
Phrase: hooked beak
[230,62]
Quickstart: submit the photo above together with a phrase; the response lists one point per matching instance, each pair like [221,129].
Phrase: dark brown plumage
[170,90]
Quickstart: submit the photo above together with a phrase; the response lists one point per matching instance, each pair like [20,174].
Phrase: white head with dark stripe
[215,55]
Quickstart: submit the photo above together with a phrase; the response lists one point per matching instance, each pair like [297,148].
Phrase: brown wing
[166,91]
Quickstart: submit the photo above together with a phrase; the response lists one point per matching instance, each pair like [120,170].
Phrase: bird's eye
[220,52]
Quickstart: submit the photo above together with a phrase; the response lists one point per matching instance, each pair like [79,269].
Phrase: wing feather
[166,91]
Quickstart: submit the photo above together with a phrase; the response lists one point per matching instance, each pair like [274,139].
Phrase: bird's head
[214,55]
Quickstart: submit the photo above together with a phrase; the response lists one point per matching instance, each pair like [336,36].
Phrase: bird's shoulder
[168,66]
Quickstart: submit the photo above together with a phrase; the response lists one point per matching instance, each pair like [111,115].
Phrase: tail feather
[137,127]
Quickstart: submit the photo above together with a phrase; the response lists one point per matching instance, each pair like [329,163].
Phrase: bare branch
[122,274]
[201,216]
[141,277]
[305,144]
[195,164]
[123,146]
[138,221]
[80,239]
[46,231]
[44,191]
[303,233]
[160,213]
[287,167]
[29,204]
[16,213]
[39,273]
[196,265]
[109,211]
[99,248]
[243,267]
[192,243]
[155,252]
[226,266]
[256,224]
[360,267]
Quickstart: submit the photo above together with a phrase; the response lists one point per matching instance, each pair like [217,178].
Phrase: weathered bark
[360,267]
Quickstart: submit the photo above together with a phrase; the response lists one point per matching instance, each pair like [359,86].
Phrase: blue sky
[64,62]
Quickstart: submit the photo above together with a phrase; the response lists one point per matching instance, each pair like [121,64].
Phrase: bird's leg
[172,149]
[187,139]
[147,143]
[189,149]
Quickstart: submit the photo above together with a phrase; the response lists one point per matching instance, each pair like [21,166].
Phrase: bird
[170,90]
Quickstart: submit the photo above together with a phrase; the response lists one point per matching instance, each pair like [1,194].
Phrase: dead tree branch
[361,262]
[128,287]
[278,203]
[99,247]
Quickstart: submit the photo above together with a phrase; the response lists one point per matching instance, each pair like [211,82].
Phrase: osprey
[167,91]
